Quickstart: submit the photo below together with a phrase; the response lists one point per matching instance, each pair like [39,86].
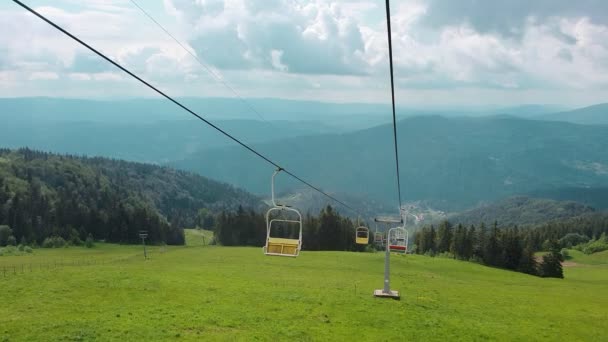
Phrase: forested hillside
[509,246]
[451,163]
[43,195]
[522,211]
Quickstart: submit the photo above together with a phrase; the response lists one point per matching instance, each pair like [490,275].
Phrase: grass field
[198,237]
[223,293]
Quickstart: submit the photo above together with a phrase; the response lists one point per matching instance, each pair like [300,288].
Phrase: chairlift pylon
[279,246]
[396,240]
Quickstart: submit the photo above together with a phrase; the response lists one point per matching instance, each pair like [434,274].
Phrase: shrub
[594,246]
[445,255]
[9,250]
[572,239]
[88,243]
[546,246]
[20,247]
[370,248]
[5,232]
[28,249]
[53,242]
[11,241]
[565,254]
[74,239]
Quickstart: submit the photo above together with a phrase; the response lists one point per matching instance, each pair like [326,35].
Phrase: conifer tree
[444,237]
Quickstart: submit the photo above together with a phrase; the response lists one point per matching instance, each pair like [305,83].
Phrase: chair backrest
[398,237]
[362,232]
[281,210]
[270,222]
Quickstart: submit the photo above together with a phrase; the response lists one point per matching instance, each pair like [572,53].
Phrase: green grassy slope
[599,258]
[221,293]
[198,237]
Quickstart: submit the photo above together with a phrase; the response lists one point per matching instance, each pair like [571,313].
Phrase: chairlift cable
[390,56]
[227,85]
[179,104]
[202,63]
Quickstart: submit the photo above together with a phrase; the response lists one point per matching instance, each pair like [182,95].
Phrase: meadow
[237,293]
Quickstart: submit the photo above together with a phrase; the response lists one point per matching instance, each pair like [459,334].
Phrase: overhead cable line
[219,78]
[213,73]
[390,57]
[250,149]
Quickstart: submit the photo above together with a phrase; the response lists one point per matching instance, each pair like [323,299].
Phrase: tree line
[327,231]
[511,247]
[503,247]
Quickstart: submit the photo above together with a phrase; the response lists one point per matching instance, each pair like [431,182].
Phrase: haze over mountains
[592,115]
[450,161]
[521,211]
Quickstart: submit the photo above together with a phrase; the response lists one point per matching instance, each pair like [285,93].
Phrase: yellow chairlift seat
[282,246]
[285,215]
[362,236]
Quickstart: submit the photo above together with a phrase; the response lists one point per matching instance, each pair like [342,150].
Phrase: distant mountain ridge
[450,163]
[150,142]
[339,116]
[521,211]
[592,115]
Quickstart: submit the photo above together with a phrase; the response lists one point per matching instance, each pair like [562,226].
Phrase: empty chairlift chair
[362,235]
[378,237]
[281,246]
[397,240]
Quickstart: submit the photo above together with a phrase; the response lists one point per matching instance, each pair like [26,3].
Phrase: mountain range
[592,115]
[448,161]
[453,163]
[521,211]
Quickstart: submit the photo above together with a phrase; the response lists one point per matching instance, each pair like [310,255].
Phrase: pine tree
[492,253]
[527,262]
[470,241]
[551,267]
[444,237]
[512,248]
[459,242]
[430,241]
[480,242]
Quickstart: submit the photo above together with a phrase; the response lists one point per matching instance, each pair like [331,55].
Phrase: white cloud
[317,49]
[275,56]
[314,38]
[79,76]
[43,75]
[107,76]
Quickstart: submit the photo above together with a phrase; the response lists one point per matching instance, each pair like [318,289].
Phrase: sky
[446,53]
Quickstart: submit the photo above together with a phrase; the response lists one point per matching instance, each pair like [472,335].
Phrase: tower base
[393,294]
